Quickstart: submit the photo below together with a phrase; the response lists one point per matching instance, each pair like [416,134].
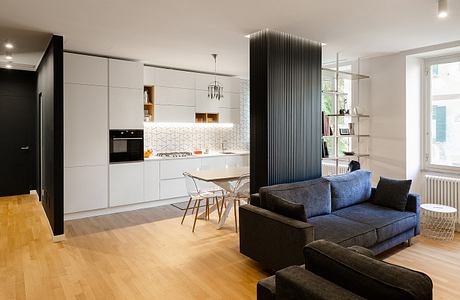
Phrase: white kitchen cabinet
[151,180]
[229,115]
[126,183]
[173,188]
[174,96]
[126,108]
[85,188]
[174,113]
[149,75]
[204,104]
[236,161]
[175,168]
[230,84]
[174,78]
[126,74]
[213,162]
[85,69]
[85,125]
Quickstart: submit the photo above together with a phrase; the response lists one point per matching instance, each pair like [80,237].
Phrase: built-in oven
[126,145]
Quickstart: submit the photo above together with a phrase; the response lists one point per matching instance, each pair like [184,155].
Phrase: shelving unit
[148,106]
[206,118]
[334,117]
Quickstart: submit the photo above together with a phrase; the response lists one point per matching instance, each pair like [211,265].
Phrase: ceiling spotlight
[8,66]
[9,46]
[323,44]
[247,36]
[8,57]
[442,8]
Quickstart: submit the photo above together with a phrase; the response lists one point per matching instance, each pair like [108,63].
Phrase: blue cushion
[315,195]
[350,188]
[388,222]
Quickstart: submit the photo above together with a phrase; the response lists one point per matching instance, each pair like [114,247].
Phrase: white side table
[438,221]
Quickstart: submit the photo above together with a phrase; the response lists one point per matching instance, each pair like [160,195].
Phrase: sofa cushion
[387,222]
[266,289]
[286,208]
[343,231]
[368,277]
[350,188]
[392,193]
[315,195]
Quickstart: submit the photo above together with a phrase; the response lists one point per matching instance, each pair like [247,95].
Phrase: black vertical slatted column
[285,108]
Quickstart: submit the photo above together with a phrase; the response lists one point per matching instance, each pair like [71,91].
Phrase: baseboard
[54,238]
[119,209]
[59,238]
[33,192]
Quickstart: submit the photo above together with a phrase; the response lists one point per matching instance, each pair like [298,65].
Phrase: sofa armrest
[298,283]
[274,240]
[255,199]
[413,205]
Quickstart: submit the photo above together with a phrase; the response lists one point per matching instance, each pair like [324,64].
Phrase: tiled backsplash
[191,137]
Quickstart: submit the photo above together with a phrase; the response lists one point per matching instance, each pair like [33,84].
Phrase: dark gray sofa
[338,209]
[334,272]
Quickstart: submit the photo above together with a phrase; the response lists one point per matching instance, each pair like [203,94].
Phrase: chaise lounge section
[340,209]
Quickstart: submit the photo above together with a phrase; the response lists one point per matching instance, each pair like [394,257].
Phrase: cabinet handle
[25,148]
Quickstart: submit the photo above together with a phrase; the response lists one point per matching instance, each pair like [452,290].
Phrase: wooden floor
[146,254]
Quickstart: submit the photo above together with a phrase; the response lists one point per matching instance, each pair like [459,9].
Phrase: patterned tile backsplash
[189,137]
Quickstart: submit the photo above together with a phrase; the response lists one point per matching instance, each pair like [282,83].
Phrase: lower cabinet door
[126,184]
[172,188]
[85,188]
[151,180]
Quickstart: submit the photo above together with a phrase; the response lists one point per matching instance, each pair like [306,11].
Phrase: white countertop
[211,154]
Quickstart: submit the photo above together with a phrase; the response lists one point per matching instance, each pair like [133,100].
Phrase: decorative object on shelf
[215,88]
[351,128]
[349,153]
[325,150]
[344,111]
[146,97]
[344,131]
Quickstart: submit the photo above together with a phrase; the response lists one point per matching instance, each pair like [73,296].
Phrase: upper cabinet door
[174,113]
[85,125]
[84,69]
[229,115]
[175,78]
[125,108]
[174,96]
[149,75]
[126,74]
[204,104]
[230,84]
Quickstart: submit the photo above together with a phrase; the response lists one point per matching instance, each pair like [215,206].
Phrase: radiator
[329,169]
[443,190]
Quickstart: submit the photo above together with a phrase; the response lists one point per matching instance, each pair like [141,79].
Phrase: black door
[18,123]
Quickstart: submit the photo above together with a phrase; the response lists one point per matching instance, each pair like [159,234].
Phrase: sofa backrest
[350,188]
[315,195]
[365,276]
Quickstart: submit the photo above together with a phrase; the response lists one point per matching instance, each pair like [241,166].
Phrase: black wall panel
[50,84]
[285,108]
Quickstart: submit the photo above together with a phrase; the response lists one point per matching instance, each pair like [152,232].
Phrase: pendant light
[215,88]
[442,9]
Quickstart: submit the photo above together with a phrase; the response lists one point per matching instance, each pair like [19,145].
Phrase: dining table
[223,177]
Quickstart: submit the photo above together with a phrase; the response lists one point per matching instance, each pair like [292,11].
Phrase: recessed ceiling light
[247,36]
[9,57]
[442,9]
[9,46]
[323,44]
[8,66]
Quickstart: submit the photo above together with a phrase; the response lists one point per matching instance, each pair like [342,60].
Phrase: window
[442,150]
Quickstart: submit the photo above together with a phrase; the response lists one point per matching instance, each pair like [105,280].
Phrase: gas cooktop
[174,154]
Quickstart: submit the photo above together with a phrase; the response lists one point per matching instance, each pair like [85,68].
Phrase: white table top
[438,208]
[225,174]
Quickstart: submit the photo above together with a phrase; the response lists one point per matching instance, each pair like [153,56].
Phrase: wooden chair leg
[207,208]
[218,208]
[236,218]
[197,206]
[185,213]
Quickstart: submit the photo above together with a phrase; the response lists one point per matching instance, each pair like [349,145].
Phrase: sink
[227,152]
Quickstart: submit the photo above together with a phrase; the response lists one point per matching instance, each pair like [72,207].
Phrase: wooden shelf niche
[148,105]
[206,118]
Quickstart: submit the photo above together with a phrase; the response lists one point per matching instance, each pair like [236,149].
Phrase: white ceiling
[183,33]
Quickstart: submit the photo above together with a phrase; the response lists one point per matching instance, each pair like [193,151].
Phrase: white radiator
[443,190]
[328,169]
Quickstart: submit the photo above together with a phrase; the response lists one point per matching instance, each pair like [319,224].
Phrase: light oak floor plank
[147,254]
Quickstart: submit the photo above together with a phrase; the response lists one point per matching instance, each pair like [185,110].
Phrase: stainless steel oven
[126,145]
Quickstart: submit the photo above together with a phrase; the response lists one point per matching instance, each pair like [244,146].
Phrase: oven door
[126,145]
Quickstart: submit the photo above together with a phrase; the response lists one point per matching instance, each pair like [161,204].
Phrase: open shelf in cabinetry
[148,102]
[206,118]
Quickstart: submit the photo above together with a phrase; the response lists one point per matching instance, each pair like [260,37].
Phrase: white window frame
[427,114]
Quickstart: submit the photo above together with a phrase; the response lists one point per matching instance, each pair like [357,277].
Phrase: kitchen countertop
[211,154]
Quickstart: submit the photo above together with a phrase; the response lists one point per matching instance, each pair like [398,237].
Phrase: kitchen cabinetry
[151,180]
[85,69]
[126,74]
[204,104]
[126,108]
[229,115]
[174,113]
[149,76]
[230,84]
[235,161]
[126,184]
[175,168]
[85,188]
[85,119]
[213,162]
[174,78]
[174,96]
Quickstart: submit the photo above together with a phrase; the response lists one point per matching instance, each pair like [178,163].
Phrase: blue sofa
[337,208]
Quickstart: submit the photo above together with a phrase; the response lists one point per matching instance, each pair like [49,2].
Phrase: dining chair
[196,195]
[240,192]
